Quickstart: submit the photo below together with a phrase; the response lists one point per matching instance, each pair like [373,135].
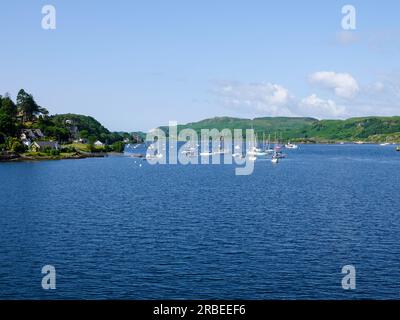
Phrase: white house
[99,144]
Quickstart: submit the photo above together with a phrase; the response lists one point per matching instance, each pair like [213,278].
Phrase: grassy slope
[372,129]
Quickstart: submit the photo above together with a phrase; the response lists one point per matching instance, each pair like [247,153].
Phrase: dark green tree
[28,107]
[8,114]
[8,106]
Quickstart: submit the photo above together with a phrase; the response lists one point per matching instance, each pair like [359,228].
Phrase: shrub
[68,149]
[54,152]
[15,145]
[118,146]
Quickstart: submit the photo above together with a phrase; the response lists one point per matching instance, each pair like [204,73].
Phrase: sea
[121,228]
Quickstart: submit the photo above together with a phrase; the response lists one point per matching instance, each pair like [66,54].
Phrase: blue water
[115,229]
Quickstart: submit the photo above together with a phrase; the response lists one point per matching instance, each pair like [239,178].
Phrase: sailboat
[255,151]
[268,149]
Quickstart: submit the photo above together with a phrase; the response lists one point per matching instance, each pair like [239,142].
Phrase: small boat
[291,146]
[275,157]
[256,152]
[189,153]
[385,144]
[278,153]
[397,148]
[237,155]
[220,151]
[154,156]
[137,155]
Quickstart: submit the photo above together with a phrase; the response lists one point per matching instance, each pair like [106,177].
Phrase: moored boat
[275,158]
[291,146]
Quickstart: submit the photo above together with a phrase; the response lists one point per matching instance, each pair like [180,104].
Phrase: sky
[135,65]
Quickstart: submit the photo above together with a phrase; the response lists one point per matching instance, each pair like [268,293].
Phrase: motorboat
[291,146]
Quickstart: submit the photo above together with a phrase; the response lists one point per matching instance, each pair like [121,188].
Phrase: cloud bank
[334,96]
[266,98]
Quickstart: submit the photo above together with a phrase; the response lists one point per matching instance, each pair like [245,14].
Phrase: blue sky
[135,65]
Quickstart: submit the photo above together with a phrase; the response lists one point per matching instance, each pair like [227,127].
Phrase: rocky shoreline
[14,157]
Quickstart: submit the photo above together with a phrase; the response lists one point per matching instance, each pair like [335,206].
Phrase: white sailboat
[268,149]
[251,158]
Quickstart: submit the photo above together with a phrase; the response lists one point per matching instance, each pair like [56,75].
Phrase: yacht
[268,148]
[205,154]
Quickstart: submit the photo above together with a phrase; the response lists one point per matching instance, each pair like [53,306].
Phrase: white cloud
[380,97]
[343,84]
[320,108]
[266,98]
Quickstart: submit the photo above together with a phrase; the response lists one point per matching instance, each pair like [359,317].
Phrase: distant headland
[29,132]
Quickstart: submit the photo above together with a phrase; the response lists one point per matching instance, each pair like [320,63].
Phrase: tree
[7,124]
[9,108]
[92,139]
[27,105]
[118,146]
[84,134]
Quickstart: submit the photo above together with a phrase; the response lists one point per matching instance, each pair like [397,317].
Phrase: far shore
[15,157]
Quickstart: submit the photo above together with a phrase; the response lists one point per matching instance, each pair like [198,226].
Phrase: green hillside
[368,129]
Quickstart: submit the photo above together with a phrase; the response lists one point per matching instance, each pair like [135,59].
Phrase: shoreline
[21,158]
[15,157]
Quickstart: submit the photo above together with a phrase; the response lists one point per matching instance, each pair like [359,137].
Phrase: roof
[32,133]
[46,144]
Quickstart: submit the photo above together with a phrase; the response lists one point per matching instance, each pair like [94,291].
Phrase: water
[115,229]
